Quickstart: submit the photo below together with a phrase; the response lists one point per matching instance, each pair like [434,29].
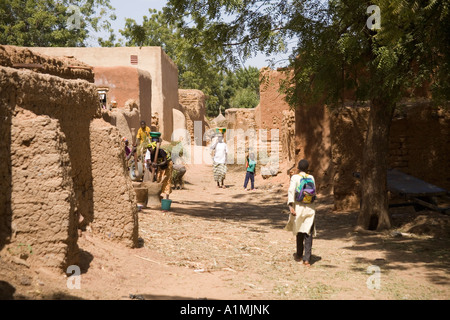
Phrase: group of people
[220,151]
[301,211]
[157,161]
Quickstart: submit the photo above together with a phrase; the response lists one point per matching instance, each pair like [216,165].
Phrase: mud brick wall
[64,67]
[48,120]
[43,203]
[272,103]
[50,169]
[163,71]
[127,83]
[287,136]
[115,210]
[348,131]
[419,144]
[313,142]
[241,118]
[192,103]
[243,134]
[127,121]
[7,106]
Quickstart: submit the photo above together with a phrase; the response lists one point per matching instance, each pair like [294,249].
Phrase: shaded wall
[419,145]
[348,131]
[313,142]
[116,216]
[50,165]
[7,104]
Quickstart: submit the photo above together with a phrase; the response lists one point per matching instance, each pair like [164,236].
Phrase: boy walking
[302,215]
[250,174]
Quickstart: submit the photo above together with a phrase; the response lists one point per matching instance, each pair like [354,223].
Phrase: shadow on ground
[400,252]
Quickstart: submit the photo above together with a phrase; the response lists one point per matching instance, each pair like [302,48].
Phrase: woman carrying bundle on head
[220,161]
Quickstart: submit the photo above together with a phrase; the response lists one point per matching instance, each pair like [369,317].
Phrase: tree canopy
[339,56]
[57,23]
[198,68]
[333,40]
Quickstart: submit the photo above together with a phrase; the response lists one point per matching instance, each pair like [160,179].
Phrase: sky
[136,9]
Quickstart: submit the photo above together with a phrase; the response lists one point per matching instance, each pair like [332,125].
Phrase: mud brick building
[56,175]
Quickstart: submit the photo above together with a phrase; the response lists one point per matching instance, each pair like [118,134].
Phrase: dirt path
[230,244]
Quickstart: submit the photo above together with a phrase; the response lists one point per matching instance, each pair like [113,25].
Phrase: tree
[338,57]
[244,98]
[46,23]
[197,67]
[242,87]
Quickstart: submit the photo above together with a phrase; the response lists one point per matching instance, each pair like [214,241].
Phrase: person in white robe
[301,217]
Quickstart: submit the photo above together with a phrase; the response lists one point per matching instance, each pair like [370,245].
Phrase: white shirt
[220,155]
[147,157]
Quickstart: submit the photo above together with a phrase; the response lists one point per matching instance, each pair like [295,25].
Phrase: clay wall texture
[273,112]
[126,120]
[419,144]
[272,103]
[241,118]
[244,132]
[49,121]
[127,83]
[115,211]
[163,71]
[333,141]
[63,67]
[43,203]
[49,184]
[287,137]
[313,142]
[348,130]
[192,103]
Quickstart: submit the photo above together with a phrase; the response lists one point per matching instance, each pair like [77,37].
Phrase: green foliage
[44,23]
[385,64]
[244,98]
[336,57]
[198,68]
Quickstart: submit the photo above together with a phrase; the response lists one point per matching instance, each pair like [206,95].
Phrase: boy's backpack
[306,191]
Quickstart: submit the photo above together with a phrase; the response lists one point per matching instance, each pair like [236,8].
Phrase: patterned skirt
[219,171]
[165,177]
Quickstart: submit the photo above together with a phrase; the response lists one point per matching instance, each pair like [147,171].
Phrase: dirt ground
[229,244]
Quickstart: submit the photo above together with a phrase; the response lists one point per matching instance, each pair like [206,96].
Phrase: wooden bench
[415,191]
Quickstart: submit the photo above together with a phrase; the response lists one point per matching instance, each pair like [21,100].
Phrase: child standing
[250,174]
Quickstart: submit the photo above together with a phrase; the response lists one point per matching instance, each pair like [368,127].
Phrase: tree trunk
[374,213]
